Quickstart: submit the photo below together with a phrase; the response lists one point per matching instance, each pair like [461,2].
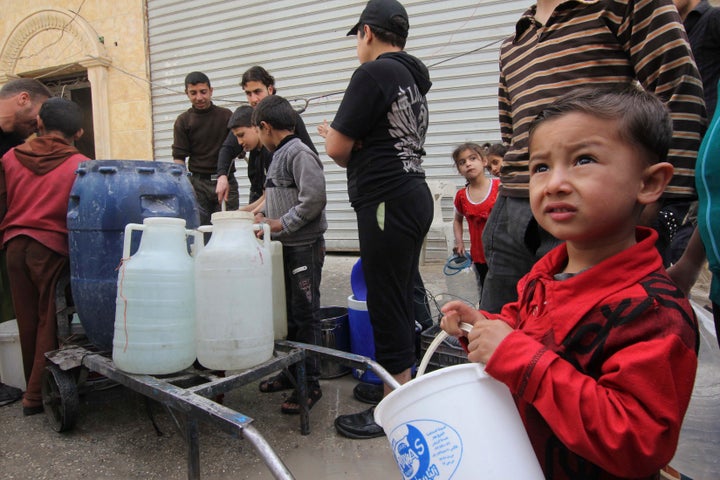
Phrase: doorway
[77,88]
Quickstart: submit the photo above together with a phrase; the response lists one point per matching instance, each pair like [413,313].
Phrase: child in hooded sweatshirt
[35,182]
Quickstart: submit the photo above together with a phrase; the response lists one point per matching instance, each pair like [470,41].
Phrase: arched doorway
[62,49]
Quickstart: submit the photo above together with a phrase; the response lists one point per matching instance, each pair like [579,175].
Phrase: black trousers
[391,235]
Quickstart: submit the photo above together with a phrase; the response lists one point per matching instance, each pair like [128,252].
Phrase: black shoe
[359,425]
[9,394]
[27,411]
[369,392]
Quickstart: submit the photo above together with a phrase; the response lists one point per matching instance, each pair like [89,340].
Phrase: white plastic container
[11,364]
[431,437]
[233,294]
[155,305]
[278,291]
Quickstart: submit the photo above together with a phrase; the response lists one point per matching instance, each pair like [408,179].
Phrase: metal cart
[187,394]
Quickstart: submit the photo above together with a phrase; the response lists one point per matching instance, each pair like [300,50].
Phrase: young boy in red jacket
[35,182]
[600,350]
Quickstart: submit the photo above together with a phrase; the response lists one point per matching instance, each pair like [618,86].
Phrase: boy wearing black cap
[378,135]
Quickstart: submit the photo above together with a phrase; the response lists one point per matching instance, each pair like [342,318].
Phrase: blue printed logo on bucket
[426,449]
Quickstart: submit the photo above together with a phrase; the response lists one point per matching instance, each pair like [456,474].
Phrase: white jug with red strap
[155,304]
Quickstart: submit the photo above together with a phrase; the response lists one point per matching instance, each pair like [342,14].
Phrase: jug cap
[232,215]
[164,221]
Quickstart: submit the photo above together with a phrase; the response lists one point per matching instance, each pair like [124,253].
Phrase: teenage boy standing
[295,211]
[378,134]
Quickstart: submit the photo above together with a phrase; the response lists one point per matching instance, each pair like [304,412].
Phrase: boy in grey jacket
[295,210]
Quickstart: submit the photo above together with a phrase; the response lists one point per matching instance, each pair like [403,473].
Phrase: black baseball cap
[379,13]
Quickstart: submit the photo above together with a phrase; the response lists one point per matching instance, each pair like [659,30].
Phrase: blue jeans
[303,271]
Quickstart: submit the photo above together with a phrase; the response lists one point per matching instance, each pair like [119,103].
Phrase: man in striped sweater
[558,46]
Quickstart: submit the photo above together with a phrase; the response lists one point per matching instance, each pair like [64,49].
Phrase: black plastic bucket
[335,334]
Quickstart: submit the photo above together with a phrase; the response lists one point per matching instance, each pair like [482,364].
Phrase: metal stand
[192,402]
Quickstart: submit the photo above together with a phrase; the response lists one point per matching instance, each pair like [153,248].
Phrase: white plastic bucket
[11,363]
[457,422]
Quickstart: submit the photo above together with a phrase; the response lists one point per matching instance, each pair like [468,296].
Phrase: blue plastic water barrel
[106,196]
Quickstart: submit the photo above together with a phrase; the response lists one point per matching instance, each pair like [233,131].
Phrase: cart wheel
[60,398]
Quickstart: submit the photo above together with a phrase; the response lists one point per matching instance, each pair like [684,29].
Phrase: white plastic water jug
[233,298]
[155,304]
[278,291]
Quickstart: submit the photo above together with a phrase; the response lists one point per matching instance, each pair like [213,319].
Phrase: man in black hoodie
[378,134]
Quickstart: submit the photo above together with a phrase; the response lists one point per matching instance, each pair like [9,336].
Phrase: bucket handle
[442,335]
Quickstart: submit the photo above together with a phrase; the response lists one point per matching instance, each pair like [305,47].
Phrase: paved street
[115,437]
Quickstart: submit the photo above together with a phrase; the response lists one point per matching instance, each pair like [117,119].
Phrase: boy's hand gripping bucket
[456,422]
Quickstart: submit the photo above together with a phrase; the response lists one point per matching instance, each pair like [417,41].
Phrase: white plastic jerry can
[233,294]
[155,305]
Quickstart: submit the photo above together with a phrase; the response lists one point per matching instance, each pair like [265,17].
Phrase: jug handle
[128,237]
[266,233]
[198,241]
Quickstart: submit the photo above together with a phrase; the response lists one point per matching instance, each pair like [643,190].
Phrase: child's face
[585,180]
[200,95]
[470,164]
[265,136]
[247,137]
[495,164]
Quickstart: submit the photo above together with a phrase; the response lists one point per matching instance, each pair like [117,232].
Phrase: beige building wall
[105,38]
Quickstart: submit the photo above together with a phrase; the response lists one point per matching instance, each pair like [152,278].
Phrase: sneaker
[359,425]
[9,394]
[369,392]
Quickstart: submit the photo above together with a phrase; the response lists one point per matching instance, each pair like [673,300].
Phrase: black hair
[467,146]
[276,112]
[389,37]
[258,74]
[33,87]
[499,149]
[643,119]
[61,115]
[241,117]
[193,78]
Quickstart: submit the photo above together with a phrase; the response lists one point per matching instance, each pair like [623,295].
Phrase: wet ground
[115,438]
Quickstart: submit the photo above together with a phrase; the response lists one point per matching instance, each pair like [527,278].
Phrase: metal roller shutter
[303,45]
